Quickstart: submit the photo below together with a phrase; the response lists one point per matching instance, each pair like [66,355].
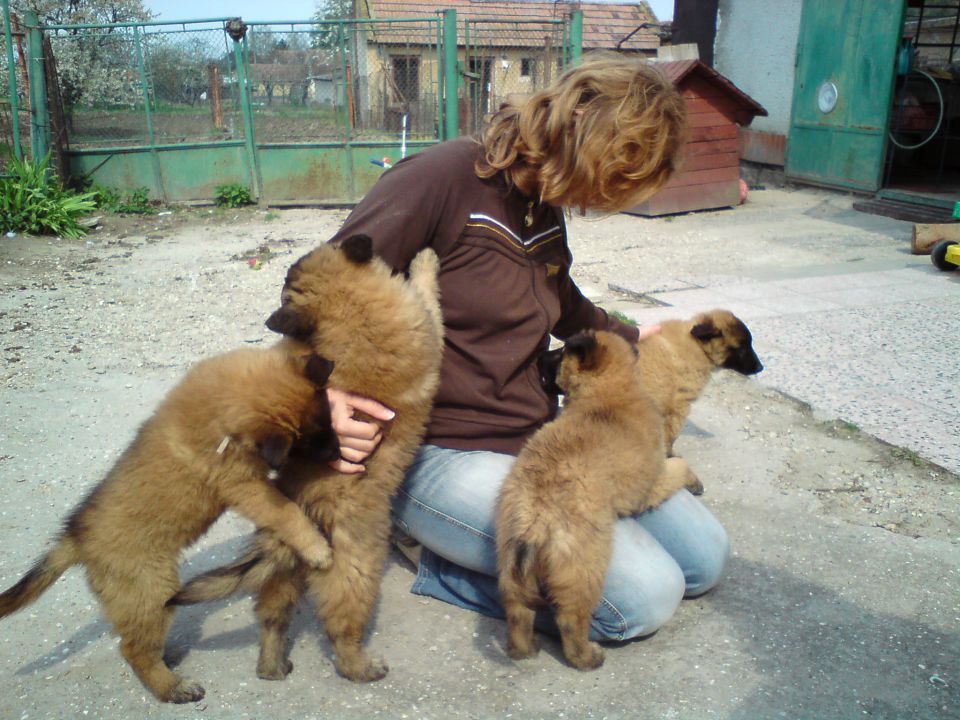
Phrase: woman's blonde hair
[605,136]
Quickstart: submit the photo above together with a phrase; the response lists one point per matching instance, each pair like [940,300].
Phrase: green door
[846,56]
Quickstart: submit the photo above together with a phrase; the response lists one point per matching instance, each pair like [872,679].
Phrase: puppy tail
[43,574]
[248,573]
[523,558]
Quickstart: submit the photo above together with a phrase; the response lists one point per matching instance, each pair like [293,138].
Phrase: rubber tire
[938,256]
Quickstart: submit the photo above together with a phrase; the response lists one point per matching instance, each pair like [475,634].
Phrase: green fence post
[148,112]
[39,117]
[12,82]
[438,58]
[450,76]
[237,30]
[576,37]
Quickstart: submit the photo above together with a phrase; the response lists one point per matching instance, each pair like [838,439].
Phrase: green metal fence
[12,68]
[298,111]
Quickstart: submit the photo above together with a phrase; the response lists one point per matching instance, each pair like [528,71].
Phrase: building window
[406,78]
[526,67]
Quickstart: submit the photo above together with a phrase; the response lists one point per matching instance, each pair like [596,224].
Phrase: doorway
[923,148]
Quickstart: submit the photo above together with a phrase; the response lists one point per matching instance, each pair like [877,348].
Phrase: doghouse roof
[745,107]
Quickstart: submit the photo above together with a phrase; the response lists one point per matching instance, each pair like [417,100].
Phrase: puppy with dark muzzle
[212,444]
[603,457]
[676,364]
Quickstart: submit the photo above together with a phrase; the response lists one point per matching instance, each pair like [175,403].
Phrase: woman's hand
[648,331]
[358,438]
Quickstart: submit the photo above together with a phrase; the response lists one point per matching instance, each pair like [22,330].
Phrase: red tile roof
[604,25]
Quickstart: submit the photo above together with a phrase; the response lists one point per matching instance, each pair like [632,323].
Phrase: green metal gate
[301,112]
[842,93]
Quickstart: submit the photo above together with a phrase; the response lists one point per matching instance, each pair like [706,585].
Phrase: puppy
[603,457]
[211,445]
[385,334]
[676,364]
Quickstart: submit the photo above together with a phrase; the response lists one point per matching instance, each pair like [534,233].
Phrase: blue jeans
[447,503]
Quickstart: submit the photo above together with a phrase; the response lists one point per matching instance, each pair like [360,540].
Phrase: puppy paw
[590,658]
[375,669]
[274,671]
[185,692]
[318,556]
[694,485]
[521,651]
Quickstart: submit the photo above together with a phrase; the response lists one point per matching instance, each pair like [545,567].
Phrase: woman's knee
[707,561]
[695,539]
[643,587]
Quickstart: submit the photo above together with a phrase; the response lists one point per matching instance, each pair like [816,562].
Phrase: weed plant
[232,195]
[33,201]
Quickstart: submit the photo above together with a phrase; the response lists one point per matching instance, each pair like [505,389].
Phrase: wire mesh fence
[14,95]
[504,59]
[336,80]
[149,84]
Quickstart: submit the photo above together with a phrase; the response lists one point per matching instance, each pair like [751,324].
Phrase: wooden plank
[724,132]
[705,177]
[721,103]
[926,235]
[713,160]
[689,199]
[708,119]
[709,147]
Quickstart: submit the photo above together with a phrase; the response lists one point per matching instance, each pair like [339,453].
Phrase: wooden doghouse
[709,175]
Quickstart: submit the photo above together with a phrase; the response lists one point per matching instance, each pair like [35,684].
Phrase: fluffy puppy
[603,457]
[676,364]
[212,443]
[385,334]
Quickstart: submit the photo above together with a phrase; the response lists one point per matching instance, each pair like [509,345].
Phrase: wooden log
[926,235]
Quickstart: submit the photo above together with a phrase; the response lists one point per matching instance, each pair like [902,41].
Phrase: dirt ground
[841,598]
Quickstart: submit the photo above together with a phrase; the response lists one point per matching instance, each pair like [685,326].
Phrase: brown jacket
[505,287]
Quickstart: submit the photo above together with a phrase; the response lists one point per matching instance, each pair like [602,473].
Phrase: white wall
[755,49]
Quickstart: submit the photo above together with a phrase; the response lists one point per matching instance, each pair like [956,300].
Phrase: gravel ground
[841,598]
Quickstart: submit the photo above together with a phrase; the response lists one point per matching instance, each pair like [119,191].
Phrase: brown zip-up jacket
[505,288]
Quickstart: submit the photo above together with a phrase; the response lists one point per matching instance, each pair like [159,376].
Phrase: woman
[604,137]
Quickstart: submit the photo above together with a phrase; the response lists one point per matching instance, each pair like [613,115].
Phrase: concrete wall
[755,48]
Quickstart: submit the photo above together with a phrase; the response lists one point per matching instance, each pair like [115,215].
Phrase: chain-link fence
[507,58]
[144,85]
[14,95]
[295,110]
[336,80]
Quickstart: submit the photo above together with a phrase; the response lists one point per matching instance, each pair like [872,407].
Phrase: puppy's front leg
[271,510]
[676,475]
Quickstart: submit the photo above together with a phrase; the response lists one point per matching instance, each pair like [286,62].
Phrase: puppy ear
[274,450]
[705,331]
[318,369]
[358,248]
[291,322]
[583,347]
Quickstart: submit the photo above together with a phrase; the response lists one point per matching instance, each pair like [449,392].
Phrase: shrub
[33,201]
[232,195]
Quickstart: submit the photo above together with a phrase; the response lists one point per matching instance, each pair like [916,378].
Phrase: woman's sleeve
[401,212]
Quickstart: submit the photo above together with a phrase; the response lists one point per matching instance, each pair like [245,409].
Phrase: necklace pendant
[528,218]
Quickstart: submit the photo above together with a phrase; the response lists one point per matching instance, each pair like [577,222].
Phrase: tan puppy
[676,364]
[211,445]
[385,335]
[602,457]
